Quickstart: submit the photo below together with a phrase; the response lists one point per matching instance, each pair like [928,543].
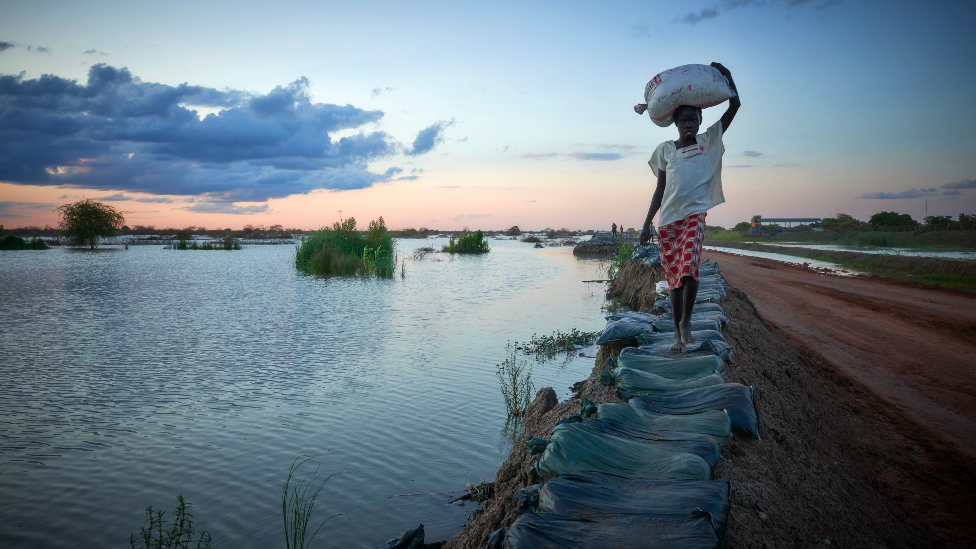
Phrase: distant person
[689,183]
[613,231]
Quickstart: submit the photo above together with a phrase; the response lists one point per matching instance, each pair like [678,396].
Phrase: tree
[842,223]
[890,219]
[85,221]
[743,226]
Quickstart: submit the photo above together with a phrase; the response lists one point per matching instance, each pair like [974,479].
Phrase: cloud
[416,170]
[911,193]
[156,200]
[6,207]
[753,154]
[639,30]
[741,166]
[95,52]
[117,197]
[42,49]
[4,46]
[378,91]
[462,217]
[538,155]
[695,18]
[118,133]
[408,178]
[449,187]
[964,184]
[596,156]
[951,193]
[621,147]
[225,208]
[528,201]
[429,137]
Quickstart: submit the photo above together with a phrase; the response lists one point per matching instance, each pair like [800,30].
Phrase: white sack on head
[699,86]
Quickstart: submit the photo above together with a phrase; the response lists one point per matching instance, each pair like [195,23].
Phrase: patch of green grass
[548,345]
[472,243]
[179,534]
[227,243]
[343,251]
[619,259]
[297,503]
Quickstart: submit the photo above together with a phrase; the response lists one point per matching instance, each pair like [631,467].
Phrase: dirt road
[913,346]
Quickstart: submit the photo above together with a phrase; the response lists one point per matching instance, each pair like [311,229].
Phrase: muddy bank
[884,262]
[837,463]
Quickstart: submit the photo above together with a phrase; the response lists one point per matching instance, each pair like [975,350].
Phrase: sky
[448,115]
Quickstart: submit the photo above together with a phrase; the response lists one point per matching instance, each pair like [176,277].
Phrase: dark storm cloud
[964,184]
[428,137]
[118,133]
[226,208]
[42,49]
[911,193]
[4,46]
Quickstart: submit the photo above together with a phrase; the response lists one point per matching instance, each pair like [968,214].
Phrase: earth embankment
[838,462]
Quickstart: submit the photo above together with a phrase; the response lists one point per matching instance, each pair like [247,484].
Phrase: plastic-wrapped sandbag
[575,448]
[640,252]
[696,85]
[601,494]
[555,531]
[714,424]
[708,315]
[699,444]
[668,367]
[635,316]
[625,332]
[698,335]
[696,325]
[701,347]
[652,261]
[636,380]
[734,398]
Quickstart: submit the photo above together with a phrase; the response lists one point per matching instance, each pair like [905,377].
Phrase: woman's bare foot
[685,330]
[679,346]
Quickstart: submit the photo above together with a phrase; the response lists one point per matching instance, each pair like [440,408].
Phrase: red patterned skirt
[680,247]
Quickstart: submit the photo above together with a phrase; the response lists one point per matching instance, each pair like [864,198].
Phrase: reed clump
[342,250]
[515,378]
[178,535]
[472,243]
[297,503]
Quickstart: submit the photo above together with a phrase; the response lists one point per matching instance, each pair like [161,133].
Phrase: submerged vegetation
[547,346]
[86,221]
[179,534]
[342,250]
[472,243]
[186,242]
[11,242]
[515,378]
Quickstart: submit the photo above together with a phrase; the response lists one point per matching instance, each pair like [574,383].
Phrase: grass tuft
[515,378]
[472,243]
[296,505]
[619,259]
[547,346]
[344,251]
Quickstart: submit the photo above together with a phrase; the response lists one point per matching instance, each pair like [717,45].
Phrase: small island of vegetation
[13,242]
[472,243]
[342,250]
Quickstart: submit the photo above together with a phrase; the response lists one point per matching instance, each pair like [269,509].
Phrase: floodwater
[812,263]
[133,376]
[907,252]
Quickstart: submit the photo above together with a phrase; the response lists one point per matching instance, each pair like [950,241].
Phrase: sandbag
[625,332]
[699,444]
[629,379]
[555,531]
[574,448]
[701,347]
[714,424]
[635,316]
[698,335]
[696,325]
[668,367]
[734,398]
[699,86]
[708,315]
[602,494]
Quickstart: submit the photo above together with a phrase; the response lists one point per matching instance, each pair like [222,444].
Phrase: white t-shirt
[694,175]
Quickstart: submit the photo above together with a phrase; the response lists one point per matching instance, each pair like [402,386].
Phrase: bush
[342,250]
[531,239]
[473,243]
[619,259]
[11,242]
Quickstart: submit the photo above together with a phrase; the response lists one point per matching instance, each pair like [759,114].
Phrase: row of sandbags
[638,472]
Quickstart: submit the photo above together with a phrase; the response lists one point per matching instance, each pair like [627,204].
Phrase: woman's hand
[721,68]
[645,237]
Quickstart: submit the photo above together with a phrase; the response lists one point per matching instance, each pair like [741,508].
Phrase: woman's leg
[689,289]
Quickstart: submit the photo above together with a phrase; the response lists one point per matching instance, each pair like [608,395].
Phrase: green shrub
[11,242]
[619,259]
[342,250]
[473,243]
[532,239]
